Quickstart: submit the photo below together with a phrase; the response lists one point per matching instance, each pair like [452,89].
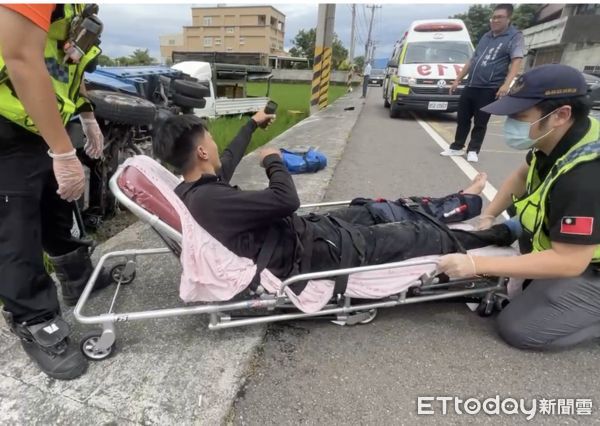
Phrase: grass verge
[293,106]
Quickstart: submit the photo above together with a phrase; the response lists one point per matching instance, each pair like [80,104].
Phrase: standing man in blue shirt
[496,62]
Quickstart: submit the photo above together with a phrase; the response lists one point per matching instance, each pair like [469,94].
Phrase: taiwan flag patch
[577,225]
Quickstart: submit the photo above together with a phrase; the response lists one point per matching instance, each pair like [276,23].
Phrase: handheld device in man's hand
[270,108]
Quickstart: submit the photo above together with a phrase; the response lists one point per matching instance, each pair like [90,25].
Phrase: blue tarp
[125,79]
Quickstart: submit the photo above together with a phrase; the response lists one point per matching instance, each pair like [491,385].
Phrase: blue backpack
[310,161]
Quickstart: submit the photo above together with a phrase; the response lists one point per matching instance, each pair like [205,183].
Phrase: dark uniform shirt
[576,194]
[241,219]
[492,58]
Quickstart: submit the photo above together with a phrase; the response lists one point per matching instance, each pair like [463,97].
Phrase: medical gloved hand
[457,265]
[69,175]
[485,221]
[95,139]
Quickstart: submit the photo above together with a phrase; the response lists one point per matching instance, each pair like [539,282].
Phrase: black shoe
[48,345]
[73,271]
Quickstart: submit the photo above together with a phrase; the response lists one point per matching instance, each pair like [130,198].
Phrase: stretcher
[216,282]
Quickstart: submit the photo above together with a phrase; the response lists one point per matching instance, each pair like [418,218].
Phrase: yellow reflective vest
[66,78]
[531,208]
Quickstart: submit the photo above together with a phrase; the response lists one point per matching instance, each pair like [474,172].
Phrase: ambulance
[423,66]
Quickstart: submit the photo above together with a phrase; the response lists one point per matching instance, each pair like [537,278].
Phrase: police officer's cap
[553,81]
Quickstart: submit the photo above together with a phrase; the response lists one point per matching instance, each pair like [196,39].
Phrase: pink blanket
[212,273]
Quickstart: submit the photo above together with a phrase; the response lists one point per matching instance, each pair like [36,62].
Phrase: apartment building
[567,34]
[170,43]
[245,29]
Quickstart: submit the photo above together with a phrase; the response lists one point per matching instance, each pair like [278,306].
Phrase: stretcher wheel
[486,306]
[116,274]
[372,315]
[88,346]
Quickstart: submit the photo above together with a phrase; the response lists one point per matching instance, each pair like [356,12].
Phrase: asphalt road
[319,373]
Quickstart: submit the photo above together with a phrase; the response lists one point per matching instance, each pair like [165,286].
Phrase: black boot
[47,344]
[73,271]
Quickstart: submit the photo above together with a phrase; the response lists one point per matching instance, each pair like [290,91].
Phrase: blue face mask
[516,133]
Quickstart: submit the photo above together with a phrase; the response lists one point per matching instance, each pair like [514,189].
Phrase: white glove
[94,145]
[69,175]
[457,265]
[485,222]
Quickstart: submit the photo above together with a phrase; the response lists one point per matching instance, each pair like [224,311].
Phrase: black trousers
[472,99]
[33,219]
[392,242]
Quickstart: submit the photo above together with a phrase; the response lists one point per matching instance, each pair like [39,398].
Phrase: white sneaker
[451,153]
[472,157]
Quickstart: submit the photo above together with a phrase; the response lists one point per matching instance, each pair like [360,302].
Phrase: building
[567,34]
[237,29]
[168,44]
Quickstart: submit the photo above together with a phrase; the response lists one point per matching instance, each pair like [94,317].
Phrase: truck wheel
[394,113]
[187,102]
[190,89]
[122,108]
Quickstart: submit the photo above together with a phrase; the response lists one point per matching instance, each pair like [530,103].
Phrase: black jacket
[241,219]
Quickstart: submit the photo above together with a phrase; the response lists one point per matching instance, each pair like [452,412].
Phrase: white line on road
[489,191]
[499,151]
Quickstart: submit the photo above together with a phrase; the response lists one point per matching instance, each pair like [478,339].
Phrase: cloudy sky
[128,27]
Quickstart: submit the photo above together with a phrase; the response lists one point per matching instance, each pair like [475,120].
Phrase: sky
[133,26]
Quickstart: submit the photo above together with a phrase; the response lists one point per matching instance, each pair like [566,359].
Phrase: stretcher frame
[264,308]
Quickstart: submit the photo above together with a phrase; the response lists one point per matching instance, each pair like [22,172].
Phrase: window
[230,30]
[218,41]
[262,20]
[172,42]
[441,52]
[242,40]
[208,20]
[207,41]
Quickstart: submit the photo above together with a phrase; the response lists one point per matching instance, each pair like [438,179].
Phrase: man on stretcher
[263,225]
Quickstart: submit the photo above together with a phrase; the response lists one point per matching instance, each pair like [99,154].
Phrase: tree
[105,61]
[122,61]
[141,57]
[477,18]
[304,46]
[359,61]
[524,15]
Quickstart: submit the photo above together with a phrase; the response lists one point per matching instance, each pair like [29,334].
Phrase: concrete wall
[306,75]
[582,57]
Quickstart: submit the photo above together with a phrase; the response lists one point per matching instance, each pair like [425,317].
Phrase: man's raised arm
[235,151]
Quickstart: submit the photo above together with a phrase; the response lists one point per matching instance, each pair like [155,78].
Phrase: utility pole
[352,41]
[368,43]
[323,56]
[373,47]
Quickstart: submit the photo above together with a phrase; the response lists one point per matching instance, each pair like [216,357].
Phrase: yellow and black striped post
[322,59]
[321,77]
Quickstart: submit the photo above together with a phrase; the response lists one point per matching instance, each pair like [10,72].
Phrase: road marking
[488,191]
[500,151]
